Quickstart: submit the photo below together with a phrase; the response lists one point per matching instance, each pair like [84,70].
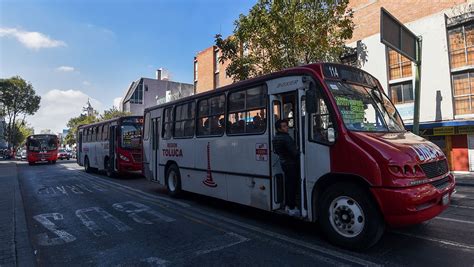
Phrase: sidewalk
[15,247]
[464,179]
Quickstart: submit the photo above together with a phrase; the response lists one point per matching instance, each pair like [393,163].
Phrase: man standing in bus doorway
[286,149]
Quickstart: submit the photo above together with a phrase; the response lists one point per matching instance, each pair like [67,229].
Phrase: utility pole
[416,111]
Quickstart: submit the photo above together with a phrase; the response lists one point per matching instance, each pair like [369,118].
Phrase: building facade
[447,69]
[147,92]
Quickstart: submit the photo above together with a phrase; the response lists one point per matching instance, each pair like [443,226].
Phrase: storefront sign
[465,129]
[443,131]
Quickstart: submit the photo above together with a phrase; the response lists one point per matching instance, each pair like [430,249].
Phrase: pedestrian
[285,147]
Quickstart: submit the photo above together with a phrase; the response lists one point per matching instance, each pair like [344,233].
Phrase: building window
[401,93]
[461,46]
[463,84]
[399,66]
[195,70]
[137,96]
[216,60]
[216,80]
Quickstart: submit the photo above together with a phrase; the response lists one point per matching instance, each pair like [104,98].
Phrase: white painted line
[207,215]
[105,181]
[441,241]
[240,238]
[461,206]
[155,261]
[453,220]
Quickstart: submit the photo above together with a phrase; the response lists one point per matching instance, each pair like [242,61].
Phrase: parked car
[20,154]
[62,154]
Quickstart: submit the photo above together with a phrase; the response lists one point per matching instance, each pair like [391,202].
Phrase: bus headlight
[122,157]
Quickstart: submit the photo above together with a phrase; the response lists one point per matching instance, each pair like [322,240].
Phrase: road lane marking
[155,261]
[207,215]
[462,207]
[452,220]
[93,227]
[140,208]
[63,237]
[240,239]
[437,240]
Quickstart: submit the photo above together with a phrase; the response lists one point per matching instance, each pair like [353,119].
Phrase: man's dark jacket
[285,147]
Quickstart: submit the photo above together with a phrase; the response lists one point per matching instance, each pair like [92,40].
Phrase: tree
[83,119]
[18,98]
[75,122]
[113,112]
[278,34]
[22,131]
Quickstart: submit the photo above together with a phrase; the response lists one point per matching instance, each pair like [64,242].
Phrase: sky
[72,51]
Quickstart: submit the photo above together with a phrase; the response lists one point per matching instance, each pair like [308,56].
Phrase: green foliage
[83,119]
[113,112]
[19,99]
[22,131]
[279,34]
[75,122]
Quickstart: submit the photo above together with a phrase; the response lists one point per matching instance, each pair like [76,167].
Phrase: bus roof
[315,68]
[41,135]
[107,121]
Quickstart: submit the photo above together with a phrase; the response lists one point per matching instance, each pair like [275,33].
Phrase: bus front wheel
[173,181]
[349,217]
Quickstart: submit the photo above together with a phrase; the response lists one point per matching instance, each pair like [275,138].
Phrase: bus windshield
[365,108]
[42,142]
[131,136]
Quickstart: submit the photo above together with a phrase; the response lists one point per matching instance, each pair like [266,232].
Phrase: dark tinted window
[247,111]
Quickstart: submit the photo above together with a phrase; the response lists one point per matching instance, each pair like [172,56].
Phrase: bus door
[285,103]
[113,147]
[155,145]
[79,149]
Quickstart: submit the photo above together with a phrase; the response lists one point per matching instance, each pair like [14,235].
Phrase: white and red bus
[360,170]
[113,146]
[42,148]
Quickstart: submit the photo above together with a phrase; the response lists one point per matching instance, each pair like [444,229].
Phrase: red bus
[42,148]
[359,169]
[113,146]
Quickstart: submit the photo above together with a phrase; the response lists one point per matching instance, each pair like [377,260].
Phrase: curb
[23,247]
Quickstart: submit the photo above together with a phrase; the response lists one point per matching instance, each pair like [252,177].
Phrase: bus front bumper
[413,205]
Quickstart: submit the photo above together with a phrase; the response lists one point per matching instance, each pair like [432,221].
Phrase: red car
[62,154]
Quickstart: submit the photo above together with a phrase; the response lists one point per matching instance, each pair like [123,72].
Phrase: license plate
[445,200]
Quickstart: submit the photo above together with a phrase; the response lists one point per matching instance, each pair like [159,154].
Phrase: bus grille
[434,169]
[137,157]
[441,183]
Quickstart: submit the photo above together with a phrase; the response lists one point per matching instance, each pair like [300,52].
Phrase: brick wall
[205,60]
[367,12]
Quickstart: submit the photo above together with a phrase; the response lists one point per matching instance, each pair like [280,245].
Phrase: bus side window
[146,127]
[106,132]
[320,121]
[247,111]
[168,123]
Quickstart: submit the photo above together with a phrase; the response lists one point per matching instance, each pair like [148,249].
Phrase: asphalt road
[75,218]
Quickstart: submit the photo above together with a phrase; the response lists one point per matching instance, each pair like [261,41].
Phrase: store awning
[436,124]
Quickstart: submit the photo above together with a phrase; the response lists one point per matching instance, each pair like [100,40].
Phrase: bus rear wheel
[173,181]
[349,217]
[87,166]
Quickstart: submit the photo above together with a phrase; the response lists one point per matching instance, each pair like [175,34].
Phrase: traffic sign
[395,35]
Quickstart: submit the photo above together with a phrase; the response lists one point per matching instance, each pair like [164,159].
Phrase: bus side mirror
[311,100]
